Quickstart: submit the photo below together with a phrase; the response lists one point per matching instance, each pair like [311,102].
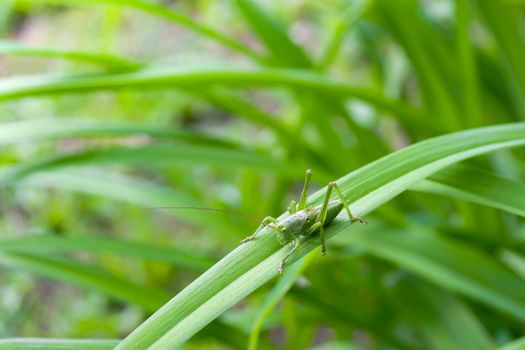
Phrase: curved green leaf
[250,265]
[518,344]
[158,78]
[86,276]
[102,59]
[514,261]
[57,344]
[43,129]
[284,284]
[274,36]
[52,244]
[130,190]
[162,155]
[451,264]
[477,186]
[338,29]
[169,15]
[442,320]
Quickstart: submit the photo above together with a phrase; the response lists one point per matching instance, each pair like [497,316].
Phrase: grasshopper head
[285,236]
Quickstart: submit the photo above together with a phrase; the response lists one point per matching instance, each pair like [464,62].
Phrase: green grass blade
[57,344]
[442,320]
[477,186]
[514,261]
[342,24]
[284,284]
[502,20]
[161,155]
[127,189]
[169,15]
[46,129]
[169,78]
[288,54]
[51,244]
[518,344]
[448,263]
[251,265]
[243,109]
[86,276]
[102,59]
[274,36]
[351,315]
[467,64]
[217,304]
[248,111]
[428,52]
[91,278]
[6,9]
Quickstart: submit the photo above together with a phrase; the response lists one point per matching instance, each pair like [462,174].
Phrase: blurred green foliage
[110,108]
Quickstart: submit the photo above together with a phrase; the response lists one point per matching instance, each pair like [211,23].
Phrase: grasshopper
[304,221]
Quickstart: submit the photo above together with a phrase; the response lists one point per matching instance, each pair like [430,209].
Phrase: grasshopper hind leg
[321,217]
[347,208]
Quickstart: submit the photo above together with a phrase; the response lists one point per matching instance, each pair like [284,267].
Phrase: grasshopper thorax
[292,226]
[299,223]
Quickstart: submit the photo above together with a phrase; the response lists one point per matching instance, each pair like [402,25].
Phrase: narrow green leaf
[86,276]
[127,189]
[429,53]
[161,155]
[477,186]
[274,36]
[467,64]
[518,344]
[92,278]
[502,20]
[514,261]
[448,263]
[351,313]
[250,265]
[277,293]
[442,320]
[45,129]
[228,101]
[52,244]
[342,24]
[168,78]
[102,59]
[57,344]
[169,15]
[217,304]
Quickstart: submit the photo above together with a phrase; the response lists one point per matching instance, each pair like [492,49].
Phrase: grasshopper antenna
[231,212]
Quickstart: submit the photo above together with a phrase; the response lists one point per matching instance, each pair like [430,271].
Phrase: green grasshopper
[305,221]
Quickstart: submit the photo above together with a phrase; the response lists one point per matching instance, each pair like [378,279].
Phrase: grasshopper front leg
[267,222]
[294,207]
[304,192]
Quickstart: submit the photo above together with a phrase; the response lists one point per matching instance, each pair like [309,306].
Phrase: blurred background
[88,152]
